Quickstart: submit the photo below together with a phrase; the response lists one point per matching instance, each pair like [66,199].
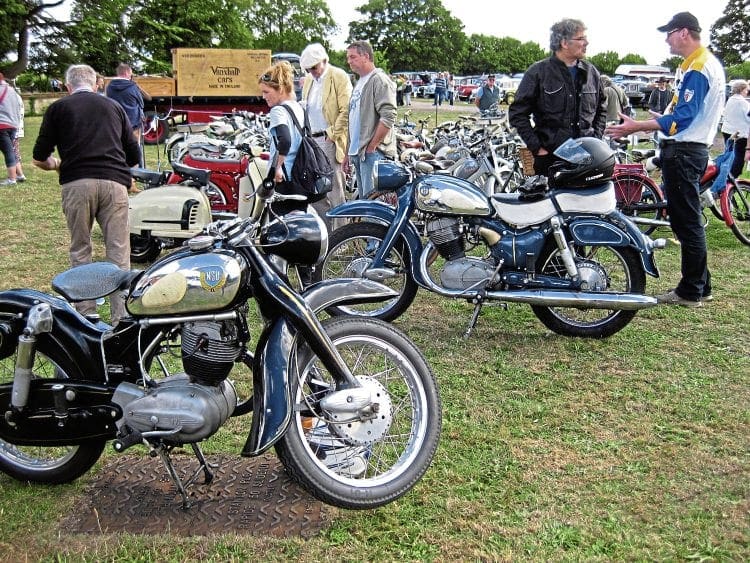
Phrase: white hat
[313,54]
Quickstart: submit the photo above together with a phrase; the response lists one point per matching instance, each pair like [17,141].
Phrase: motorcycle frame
[112,356]
[614,230]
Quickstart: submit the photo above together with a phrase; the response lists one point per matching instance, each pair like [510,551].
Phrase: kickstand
[182,488]
[478,302]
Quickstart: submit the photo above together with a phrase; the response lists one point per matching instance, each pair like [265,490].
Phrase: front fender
[615,230]
[272,402]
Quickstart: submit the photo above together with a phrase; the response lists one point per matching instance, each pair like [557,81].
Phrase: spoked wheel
[354,463]
[638,196]
[351,249]
[39,464]
[605,269]
[738,208]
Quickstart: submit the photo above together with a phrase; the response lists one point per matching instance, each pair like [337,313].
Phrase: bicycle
[643,201]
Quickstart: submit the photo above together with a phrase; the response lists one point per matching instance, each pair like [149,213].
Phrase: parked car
[632,87]
[299,74]
[466,86]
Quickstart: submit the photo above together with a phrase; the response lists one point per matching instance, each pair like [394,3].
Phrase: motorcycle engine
[176,409]
[460,271]
[209,350]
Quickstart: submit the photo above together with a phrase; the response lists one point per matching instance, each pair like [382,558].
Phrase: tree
[606,62]
[730,34]
[412,34]
[289,25]
[633,59]
[19,19]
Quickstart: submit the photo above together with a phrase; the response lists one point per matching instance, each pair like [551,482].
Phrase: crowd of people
[561,97]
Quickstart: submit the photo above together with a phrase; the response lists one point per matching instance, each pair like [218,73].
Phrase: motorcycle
[350,404]
[175,206]
[566,251]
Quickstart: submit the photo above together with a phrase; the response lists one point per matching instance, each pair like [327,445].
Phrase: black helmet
[298,237]
[582,163]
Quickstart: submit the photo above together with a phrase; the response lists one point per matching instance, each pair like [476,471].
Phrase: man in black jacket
[562,96]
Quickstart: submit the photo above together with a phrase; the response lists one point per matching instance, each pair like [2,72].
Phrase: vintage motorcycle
[350,404]
[177,205]
[566,251]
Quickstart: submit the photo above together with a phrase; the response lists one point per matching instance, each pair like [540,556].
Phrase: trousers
[106,202]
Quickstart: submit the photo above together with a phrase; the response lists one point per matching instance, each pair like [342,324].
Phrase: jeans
[6,146]
[364,168]
[336,195]
[682,165]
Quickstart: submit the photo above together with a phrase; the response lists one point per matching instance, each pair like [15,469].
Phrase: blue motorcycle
[559,244]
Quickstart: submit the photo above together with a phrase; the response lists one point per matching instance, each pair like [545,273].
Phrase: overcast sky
[623,27]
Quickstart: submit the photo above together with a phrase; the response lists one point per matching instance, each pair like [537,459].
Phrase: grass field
[632,448]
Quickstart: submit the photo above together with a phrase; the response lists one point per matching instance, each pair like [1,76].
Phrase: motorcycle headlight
[390,175]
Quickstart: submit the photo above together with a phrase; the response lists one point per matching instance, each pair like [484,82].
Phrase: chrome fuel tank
[188,282]
[446,195]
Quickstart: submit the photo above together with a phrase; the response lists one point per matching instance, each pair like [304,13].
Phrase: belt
[318,134]
[686,144]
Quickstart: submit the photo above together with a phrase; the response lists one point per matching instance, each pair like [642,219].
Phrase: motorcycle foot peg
[127,441]
[530,264]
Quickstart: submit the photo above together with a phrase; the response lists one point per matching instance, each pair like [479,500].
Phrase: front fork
[38,322]
[562,245]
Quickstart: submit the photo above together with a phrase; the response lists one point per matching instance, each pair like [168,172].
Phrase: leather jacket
[560,109]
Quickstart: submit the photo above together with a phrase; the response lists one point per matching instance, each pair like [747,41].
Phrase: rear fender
[75,338]
[616,230]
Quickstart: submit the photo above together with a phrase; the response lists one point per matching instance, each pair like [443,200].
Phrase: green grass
[632,448]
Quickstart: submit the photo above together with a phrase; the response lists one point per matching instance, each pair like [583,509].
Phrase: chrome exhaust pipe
[540,297]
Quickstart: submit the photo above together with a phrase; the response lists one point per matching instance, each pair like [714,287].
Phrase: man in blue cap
[687,133]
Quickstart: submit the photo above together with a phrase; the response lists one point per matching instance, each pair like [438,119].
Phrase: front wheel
[363,463]
[39,464]
[351,249]
[738,208]
[607,269]
[144,248]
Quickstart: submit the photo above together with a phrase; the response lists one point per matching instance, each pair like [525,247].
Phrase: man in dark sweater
[97,147]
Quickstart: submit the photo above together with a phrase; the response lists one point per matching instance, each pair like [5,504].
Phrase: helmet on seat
[582,163]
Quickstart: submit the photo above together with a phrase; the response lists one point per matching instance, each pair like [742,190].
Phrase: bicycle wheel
[738,208]
[639,197]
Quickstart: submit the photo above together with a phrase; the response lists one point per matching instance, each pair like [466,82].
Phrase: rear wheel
[39,464]
[155,130]
[351,249]
[357,463]
[638,197]
[606,269]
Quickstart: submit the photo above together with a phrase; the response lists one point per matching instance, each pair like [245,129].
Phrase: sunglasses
[268,79]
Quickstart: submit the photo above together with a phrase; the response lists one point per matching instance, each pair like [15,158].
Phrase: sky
[622,27]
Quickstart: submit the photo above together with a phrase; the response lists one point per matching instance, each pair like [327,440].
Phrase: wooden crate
[152,85]
[156,85]
[219,72]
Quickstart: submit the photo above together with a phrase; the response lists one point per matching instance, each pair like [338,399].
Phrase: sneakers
[671,298]
[707,298]
[21,178]
[8,182]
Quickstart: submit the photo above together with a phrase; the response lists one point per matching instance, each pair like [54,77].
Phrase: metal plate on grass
[247,496]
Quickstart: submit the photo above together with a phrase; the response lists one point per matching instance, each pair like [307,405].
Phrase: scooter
[176,205]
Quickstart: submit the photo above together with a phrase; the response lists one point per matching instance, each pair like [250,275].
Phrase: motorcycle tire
[738,203]
[144,249]
[350,252]
[620,268]
[37,464]
[363,465]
